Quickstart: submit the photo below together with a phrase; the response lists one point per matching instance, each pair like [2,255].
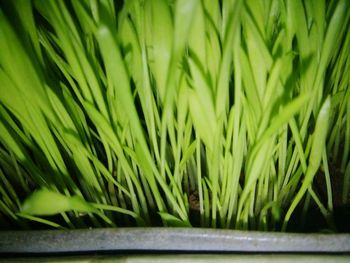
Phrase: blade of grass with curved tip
[7,139]
[335,28]
[212,10]
[201,104]
[260,150]
[178,194]
[256,163]
[132,38]
[40,220]
[327,214]
[318,144]
[260,59]
[284,116]
[256,11]
[181,122]
[225,67]
[249,85]
[86,170]
[11,124]
[197,38]
[213,42]
[328,181]
[298,143]
[61,112]
[215,172]
[162,39]
[184,15]
[234,191]
[298,24]
[18,66]
[117,73]
[272,92]
[116,209]
[227,162]
[173,221]
[318,10]
[26,15]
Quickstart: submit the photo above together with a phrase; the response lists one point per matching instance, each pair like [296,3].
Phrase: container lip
[165,239]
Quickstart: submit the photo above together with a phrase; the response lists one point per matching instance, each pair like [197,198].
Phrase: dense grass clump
[230,114]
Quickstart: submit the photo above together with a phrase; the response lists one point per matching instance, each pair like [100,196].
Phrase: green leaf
[46,202]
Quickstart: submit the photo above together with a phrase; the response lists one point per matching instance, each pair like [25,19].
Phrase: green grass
[175,113]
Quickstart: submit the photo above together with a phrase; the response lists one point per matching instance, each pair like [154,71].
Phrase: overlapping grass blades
[205,113]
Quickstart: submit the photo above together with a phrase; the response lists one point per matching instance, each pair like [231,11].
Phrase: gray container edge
[165,239]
